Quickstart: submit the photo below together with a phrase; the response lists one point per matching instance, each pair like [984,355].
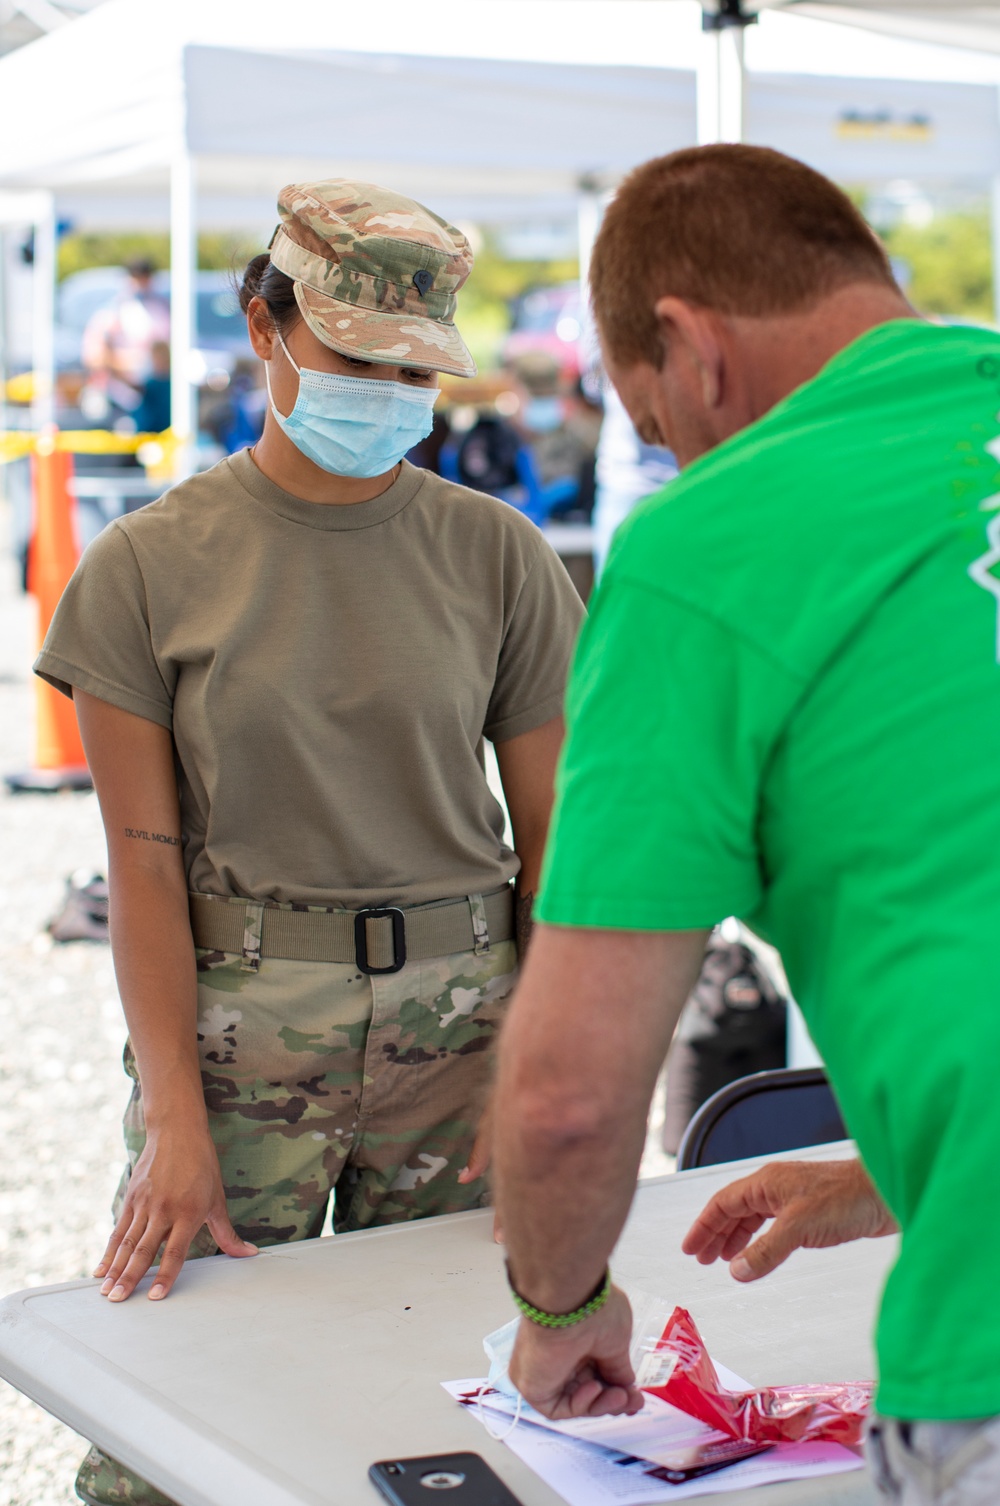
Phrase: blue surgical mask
[352,426]
[543,414]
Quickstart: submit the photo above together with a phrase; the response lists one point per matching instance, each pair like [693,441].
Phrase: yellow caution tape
[16,443]
[13,445]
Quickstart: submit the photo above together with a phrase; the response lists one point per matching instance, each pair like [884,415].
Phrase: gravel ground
[62,1090]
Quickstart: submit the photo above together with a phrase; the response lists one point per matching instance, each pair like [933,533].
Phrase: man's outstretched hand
[582,1371]
[814,1204]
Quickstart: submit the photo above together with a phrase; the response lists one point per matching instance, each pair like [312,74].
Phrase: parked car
[220,328]
[549,319]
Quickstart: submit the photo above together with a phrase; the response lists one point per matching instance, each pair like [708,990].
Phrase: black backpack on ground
[487,456]
[734,1023]
[84,912]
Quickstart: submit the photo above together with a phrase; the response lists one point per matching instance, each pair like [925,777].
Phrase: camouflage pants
[323,1082]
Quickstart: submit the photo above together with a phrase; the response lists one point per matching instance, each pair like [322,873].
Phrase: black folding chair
[760,1115]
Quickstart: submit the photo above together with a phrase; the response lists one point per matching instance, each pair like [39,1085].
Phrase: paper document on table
[659,1433]
[585,1475]
[622,1461]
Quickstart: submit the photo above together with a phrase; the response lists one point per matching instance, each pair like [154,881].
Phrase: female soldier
[284,672]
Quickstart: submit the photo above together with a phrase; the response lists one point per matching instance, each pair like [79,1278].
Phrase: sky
[664,32]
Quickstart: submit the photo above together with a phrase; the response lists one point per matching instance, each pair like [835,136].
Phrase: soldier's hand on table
[582,1371]
[175,1188]
[814,1204]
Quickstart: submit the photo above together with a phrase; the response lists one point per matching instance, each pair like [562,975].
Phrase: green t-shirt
[786,706]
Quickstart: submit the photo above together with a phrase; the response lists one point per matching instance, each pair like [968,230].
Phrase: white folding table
[277,1380]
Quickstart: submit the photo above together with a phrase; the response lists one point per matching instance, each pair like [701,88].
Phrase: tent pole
[709,89]
[731,85]
[43,314]
[740,118]
[722,72]
[183,263]
[588,222]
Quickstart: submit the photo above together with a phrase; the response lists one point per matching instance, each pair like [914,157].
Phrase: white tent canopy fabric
[936,21]
[854,130]
[474,138]
[112,106]
[473,128]
[867,131]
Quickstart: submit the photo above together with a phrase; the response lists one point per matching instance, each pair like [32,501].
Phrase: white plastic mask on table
[499,1346]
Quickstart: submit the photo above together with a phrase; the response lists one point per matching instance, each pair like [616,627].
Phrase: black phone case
[425,1481]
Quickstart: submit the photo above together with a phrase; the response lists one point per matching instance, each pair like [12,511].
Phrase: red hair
[741,229]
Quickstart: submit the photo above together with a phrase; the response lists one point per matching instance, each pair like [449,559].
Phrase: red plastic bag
[775,1414]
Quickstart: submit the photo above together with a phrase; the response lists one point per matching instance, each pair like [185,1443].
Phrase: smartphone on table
[441,1480]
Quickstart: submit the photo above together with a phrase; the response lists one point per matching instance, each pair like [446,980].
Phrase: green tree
[82,249]
[950,263]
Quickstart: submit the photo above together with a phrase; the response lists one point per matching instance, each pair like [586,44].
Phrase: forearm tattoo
[523,924]
[152,836]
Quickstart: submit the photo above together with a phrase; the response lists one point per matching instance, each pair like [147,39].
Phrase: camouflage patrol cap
[376,274]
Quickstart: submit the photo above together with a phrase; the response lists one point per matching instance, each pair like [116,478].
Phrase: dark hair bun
[262,279]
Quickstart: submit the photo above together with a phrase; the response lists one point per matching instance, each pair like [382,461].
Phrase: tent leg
[588,222]
[722,74]
[732,84]
[43,316]
[183,262]
[709,101]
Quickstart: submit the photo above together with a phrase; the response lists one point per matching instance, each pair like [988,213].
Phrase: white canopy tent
[721,81]
[112,121]
[122,113]
[722,74]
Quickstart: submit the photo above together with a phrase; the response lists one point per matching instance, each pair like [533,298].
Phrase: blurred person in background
[152,415]
[550,421]
[236,419]
[284,672]
[628,470]
[118,345]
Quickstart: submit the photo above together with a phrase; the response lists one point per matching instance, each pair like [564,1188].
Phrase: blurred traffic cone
[60,762]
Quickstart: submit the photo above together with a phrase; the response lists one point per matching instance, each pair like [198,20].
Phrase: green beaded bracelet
[593,1304]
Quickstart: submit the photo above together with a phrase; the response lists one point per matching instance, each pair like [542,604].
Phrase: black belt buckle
[398,939]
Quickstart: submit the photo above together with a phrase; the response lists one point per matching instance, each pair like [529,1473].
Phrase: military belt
[375,940]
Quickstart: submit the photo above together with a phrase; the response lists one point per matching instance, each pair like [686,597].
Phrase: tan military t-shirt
[329,674]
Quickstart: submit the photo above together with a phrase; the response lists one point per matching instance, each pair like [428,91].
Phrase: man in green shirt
[785,706]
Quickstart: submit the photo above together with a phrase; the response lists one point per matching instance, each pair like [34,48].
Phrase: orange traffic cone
[60,762]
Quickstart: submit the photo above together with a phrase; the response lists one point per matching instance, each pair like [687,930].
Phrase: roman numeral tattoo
[152,836]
